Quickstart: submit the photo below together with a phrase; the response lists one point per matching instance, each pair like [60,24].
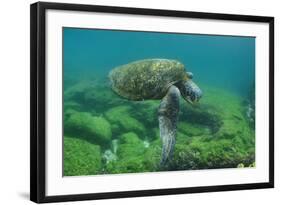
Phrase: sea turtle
[157,79]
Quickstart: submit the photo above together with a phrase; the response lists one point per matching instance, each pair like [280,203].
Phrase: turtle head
[189,90]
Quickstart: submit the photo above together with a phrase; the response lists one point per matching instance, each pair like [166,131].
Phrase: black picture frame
[38,101]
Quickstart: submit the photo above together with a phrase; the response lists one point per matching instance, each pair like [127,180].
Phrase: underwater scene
[148,101]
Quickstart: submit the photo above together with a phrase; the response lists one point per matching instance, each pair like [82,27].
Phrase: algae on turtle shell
[146,79]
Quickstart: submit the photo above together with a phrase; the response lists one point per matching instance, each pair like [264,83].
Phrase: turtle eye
[190,75]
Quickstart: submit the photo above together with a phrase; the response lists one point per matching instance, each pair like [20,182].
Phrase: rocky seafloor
[106,134]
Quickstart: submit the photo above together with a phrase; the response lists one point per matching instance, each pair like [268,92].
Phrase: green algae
[191,129]
[123,121]
[231,143]
[130,155]
[130,145]
[92,128]
[216,133]
[81,157]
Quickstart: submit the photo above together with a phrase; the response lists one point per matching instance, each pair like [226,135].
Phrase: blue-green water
[225,61]
[107,134]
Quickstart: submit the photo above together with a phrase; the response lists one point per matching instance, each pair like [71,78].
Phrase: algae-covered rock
[72,105]
[185,158]
[77,91]
[213,134]
[123,121]
[216,134]
[222,154]
[190,129]
[127,165]
[92,97]
[154,133]
[130,155]
[134,156]
[182,138]
[232,139]
[230,129]
[152,156]
[201,115]
[200,154]
[81,157]
[130,145]
[93,128]
[146,111]
[101,98]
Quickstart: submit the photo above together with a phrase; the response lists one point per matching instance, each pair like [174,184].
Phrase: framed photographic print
[129,102]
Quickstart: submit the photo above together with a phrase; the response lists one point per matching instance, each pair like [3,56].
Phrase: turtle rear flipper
[168,117]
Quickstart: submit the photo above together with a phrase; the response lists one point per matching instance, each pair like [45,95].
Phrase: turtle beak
[191,92]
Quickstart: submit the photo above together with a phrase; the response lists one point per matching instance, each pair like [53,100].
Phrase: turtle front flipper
[168,117]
